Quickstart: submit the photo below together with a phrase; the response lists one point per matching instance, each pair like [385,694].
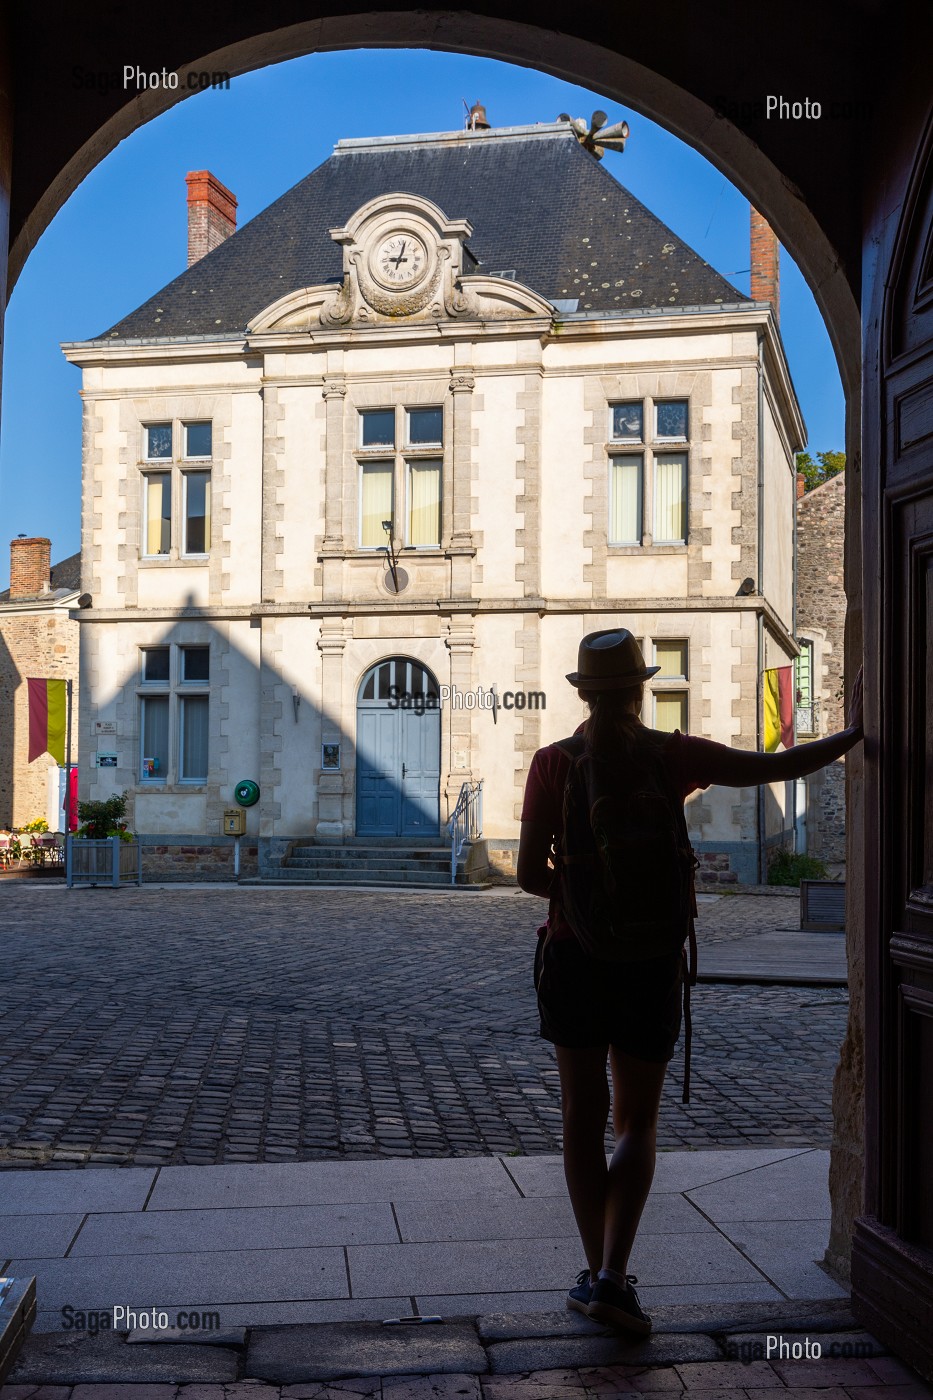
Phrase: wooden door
[892,1263]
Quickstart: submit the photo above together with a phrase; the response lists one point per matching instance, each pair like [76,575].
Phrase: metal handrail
[466,823]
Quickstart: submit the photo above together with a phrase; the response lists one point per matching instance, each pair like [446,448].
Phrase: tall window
[669,693]
[174,709]
[625,499]
[806,719]
[176,496]
[402,485]
[670,498]
[648,490]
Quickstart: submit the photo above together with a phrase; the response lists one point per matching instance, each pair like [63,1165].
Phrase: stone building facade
[566,421]
[821,617]
[38,637]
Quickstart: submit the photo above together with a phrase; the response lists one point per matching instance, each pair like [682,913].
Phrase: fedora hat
[610,660]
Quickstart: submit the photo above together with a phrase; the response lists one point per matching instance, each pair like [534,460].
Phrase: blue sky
[123,233]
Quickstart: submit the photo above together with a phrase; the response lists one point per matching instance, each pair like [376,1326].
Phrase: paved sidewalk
[326,1241]
[280,1254]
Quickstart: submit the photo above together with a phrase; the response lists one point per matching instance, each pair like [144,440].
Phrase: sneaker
[620,1306]
[578,1299]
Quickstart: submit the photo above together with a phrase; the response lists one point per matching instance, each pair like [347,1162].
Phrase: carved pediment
[404,262]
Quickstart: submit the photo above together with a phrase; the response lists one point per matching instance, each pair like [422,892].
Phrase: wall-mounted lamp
[391,556]
[296,701]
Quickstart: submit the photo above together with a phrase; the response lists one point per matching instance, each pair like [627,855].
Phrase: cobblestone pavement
[199,1025]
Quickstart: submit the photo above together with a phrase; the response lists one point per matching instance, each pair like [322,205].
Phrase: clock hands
[400,258]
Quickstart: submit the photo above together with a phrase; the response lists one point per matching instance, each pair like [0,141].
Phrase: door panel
[378,798]
[420,746]
[892,1257]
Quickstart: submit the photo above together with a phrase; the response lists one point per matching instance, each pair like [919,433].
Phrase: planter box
[822,905]
[106,862]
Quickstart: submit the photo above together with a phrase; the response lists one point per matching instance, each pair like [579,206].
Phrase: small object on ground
[400,1321]
[580,1296]
[620,1306]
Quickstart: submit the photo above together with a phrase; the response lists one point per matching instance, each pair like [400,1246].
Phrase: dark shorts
[583,1004]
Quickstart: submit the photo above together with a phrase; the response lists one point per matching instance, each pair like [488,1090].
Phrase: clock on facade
[400,260]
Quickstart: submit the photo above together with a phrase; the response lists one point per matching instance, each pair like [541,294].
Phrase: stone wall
[821,617]
[40,642]
[196,858]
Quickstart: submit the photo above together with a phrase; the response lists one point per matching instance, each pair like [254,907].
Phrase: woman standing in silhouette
[628,1011]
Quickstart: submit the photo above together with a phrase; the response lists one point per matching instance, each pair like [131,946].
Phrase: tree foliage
[826,466]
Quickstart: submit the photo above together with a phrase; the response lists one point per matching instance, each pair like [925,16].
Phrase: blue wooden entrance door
[398,745]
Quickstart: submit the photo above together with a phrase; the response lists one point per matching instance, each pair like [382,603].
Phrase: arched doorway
[398,751]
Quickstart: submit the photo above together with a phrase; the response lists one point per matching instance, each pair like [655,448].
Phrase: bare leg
[584,1095]
[636,1100]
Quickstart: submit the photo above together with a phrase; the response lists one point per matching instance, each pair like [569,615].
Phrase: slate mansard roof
[541,207]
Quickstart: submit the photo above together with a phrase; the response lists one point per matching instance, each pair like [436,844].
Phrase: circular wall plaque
[388,582]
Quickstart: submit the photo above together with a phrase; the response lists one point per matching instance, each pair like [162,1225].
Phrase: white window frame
[655,463]
[400,455]
[412,463]
[388,464]
[158,423]
[620,442]
[659,437]
[614,457]
[177,470]
[184,551]
[196,423]
[175,690]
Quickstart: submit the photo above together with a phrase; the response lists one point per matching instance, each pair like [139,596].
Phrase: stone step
[420,851]
[327,875]
[344,862]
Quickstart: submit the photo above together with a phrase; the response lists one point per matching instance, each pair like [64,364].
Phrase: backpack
[625,865]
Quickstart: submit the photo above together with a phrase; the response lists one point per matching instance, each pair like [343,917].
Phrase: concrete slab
[473,1266]
[544,1217]
[288,1355]
[171,1281]
[436,1387]
[39,1236]
[70,1358]
[329,1183]
[676,1171]
[254,1227]
[678,1294]
[32,1192]
[787,1251]
[706,1317]
[611,1349]
[795,1188]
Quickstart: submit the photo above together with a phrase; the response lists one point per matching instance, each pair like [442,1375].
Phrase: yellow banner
[58,719]
[772,699]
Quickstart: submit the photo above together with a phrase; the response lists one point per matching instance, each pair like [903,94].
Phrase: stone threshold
[492,1344]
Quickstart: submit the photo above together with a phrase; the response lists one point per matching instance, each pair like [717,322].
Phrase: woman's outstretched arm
[741,768]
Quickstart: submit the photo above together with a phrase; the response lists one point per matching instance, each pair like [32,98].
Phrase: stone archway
[675,93]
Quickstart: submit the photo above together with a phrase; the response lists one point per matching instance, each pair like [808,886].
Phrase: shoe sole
[575,1306]
[604,1312]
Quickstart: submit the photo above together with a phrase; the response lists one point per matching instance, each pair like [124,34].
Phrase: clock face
[400,260]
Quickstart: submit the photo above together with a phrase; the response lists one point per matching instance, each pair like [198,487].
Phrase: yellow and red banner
[779,708]
[48,717]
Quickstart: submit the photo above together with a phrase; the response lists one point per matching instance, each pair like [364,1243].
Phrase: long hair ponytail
[613,728]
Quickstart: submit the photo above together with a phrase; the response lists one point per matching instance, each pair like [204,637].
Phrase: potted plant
[96,855]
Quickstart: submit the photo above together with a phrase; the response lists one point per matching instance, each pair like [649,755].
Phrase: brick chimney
[211,213]
[30,567]
[801,486]
[765,265]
